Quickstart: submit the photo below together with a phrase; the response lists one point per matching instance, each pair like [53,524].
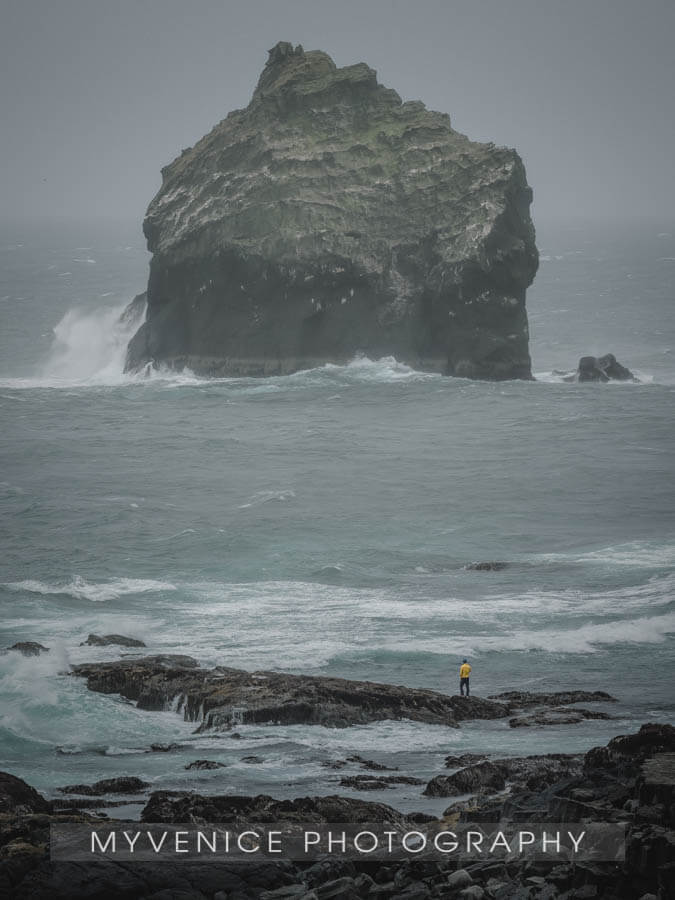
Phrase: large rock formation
[329,219]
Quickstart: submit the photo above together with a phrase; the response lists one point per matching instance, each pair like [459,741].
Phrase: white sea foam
[588,638]
[640,554]
[261,497]
[88,349]
[557,377]
[81,589]
[29,687]
[364,369]
[90,344]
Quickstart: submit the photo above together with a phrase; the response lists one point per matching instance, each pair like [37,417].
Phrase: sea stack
[329,219]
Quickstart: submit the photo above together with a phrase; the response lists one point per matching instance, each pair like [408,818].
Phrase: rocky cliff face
[329,219]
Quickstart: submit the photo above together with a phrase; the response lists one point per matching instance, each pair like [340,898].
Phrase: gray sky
[97,95]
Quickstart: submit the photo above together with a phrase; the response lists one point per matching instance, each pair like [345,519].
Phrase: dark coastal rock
[490,776]
[205,764]
[369,764]
[29,648]
[629,782]
[656,788]
[466,759]
[252,760]
[18,797]
[603,368]
[362,763]
[535,772]
[376,782]
[327,219]
[622,753]
[223,697]
[518,699]
[134,312]
[177,806]
[97,640]
[75,803]
[478,777]
[560,716]
[121,785]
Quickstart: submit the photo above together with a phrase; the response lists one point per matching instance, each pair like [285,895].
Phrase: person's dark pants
[464,683]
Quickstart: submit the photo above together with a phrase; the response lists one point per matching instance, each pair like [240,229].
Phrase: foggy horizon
[96,99]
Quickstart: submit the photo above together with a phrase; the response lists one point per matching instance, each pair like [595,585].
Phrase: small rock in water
[370,764]
[377,782]
[29,648]
[466,759]
[252,760]
[122,785]
[205,764]
[97,640]
[518,699]
[487,566]
[603,368]
[564,716]
[164,748]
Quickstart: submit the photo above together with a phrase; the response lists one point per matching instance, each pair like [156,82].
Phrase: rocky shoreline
[631,780]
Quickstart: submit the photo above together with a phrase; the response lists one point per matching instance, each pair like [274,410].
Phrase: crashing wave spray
[90,345]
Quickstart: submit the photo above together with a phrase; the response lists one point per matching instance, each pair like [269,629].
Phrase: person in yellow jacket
[464,672]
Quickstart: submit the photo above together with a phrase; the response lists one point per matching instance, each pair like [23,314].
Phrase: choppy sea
[321,523]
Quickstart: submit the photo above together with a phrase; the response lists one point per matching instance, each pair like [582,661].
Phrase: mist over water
[224,518]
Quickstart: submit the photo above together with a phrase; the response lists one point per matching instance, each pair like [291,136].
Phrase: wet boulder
[466,759]
[377,782]
[16,796]
[603,368]
[121,785]
[480,777]
[29,648]
[97,640]
[518,699]
[557,716]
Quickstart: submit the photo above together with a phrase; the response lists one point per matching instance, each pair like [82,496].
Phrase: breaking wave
[261,497]
[81,589]
[88,349]
[639,554]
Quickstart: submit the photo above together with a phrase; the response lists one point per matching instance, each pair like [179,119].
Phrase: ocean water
[322,523]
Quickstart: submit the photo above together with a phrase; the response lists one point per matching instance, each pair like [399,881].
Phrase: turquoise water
[321,522]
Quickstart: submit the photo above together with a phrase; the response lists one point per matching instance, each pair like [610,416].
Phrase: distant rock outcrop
[105,640]
[28,648]
[603,368]
[328,218]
